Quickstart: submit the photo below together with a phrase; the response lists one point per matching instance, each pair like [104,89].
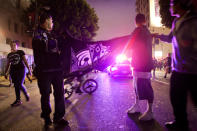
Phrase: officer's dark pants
[180,85]
[45,82]
[18,77]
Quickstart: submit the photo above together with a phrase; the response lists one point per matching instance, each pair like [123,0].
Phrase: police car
[121,68]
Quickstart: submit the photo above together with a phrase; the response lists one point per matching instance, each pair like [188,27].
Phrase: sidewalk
[159,76]
[2,78]
[4,82]
[100,111]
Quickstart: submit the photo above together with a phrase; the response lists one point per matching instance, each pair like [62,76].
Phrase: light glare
[155,19]
[120,58]
[158,54]
[114,68]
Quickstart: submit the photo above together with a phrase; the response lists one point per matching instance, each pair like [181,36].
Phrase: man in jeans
[16,63]
[184,61]
[48,70]
[141,46]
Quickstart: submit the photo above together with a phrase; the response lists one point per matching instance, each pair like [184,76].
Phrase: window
[8,41]
[9,24]
[18,4]
[15,27]
[23,44]
[22,29]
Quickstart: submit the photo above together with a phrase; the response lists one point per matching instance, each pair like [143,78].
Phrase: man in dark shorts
[141,46]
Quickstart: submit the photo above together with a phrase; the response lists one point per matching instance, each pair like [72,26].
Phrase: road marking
[71,105]
[162,82]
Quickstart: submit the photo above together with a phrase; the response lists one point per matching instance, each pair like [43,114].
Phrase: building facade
[150,8]
[11,28]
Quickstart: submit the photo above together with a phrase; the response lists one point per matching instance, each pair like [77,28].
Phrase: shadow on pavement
[4,85]
[151,125]
[62,128]
[81,122]
[56,128]
[3,96]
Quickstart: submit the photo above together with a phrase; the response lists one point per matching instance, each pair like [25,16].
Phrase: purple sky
[116,17]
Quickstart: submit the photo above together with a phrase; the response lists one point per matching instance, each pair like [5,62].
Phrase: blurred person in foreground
[183,36]
[48,70]
[16,67]
[140,45]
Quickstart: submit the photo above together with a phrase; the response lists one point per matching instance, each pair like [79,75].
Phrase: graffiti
[87,56]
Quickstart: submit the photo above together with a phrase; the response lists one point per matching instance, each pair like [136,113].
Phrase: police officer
[48,70]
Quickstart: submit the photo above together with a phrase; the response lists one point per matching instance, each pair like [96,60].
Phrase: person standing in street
[168,65]
[184,61]
[16,63]
[141,46]
[48,70]
[154,67]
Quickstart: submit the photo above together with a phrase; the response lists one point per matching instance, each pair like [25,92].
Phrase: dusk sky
[116,17]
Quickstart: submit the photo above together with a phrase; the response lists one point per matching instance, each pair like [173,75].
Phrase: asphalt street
[104,110]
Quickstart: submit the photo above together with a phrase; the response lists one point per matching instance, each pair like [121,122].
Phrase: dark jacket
[46,51]
[184,43]
[141,46]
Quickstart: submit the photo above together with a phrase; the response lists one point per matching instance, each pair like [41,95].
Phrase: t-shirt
[16,60]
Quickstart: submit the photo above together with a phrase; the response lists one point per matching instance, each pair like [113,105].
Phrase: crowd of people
[48,70]
[162,65]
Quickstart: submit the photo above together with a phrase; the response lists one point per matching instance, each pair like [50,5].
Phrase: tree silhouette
[73,16]
[166,18]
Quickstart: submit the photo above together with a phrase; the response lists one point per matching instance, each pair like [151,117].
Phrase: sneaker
[61,122]
[47,121]
[134,109]
[27,97]
[16,103]
[173,125]
[146,116]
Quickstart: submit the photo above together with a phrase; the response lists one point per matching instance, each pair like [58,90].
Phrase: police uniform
[48,71]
